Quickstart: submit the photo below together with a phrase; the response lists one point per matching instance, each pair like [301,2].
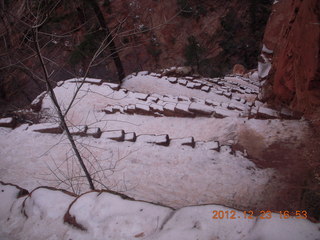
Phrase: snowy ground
[51,214]
[158,165]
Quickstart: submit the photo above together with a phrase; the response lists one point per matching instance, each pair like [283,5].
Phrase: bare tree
[112,46]
[44,67]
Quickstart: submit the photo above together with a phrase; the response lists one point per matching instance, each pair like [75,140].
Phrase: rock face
[207,35]
[294,36]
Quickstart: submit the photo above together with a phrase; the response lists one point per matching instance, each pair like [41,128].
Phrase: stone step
[8,122]
[53,128]
[116,135]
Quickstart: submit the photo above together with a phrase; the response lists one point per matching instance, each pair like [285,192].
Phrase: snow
[54,214]
[8,120]
[264,67]
[266,50]
[197,167]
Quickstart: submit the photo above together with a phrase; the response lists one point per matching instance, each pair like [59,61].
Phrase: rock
[183,71]
[8,122]
[205,89]
[189,78]
[238,69]
[156,108]
[198,100]
[182,98]
[219,92]
[243,101]
[117,108]
[113,86]
[198,85]
[94,132]
[238,106]
[222,113]
[189,141]
[37,102]
[253,113]
[142,108]
[200,109]
[293,33]
[78,130]
[212,103]
[60,83]
[286,113]
[145,138]
[168,109]
[248,91]
[170,99]
[227,94]
[224,105]
[159,140]
[140,96]
[109,110]
[183,109]
[212,145]
[130,137]
[162,140]
[182,82]
[130,109]
[172,79]
[153,74]
[116,135]
[54,128]
[190,85]
[226,149]
[143,73]
[267,113]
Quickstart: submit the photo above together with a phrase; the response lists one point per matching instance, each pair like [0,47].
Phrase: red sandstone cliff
[293,33]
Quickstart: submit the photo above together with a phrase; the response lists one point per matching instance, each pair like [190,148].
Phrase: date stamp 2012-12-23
[262,214]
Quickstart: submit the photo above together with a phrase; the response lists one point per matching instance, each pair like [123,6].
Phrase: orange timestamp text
[262,214]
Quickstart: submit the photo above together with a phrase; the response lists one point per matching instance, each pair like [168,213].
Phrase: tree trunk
[112,46]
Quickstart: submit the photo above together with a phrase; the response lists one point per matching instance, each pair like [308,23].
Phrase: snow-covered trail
[172,141]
